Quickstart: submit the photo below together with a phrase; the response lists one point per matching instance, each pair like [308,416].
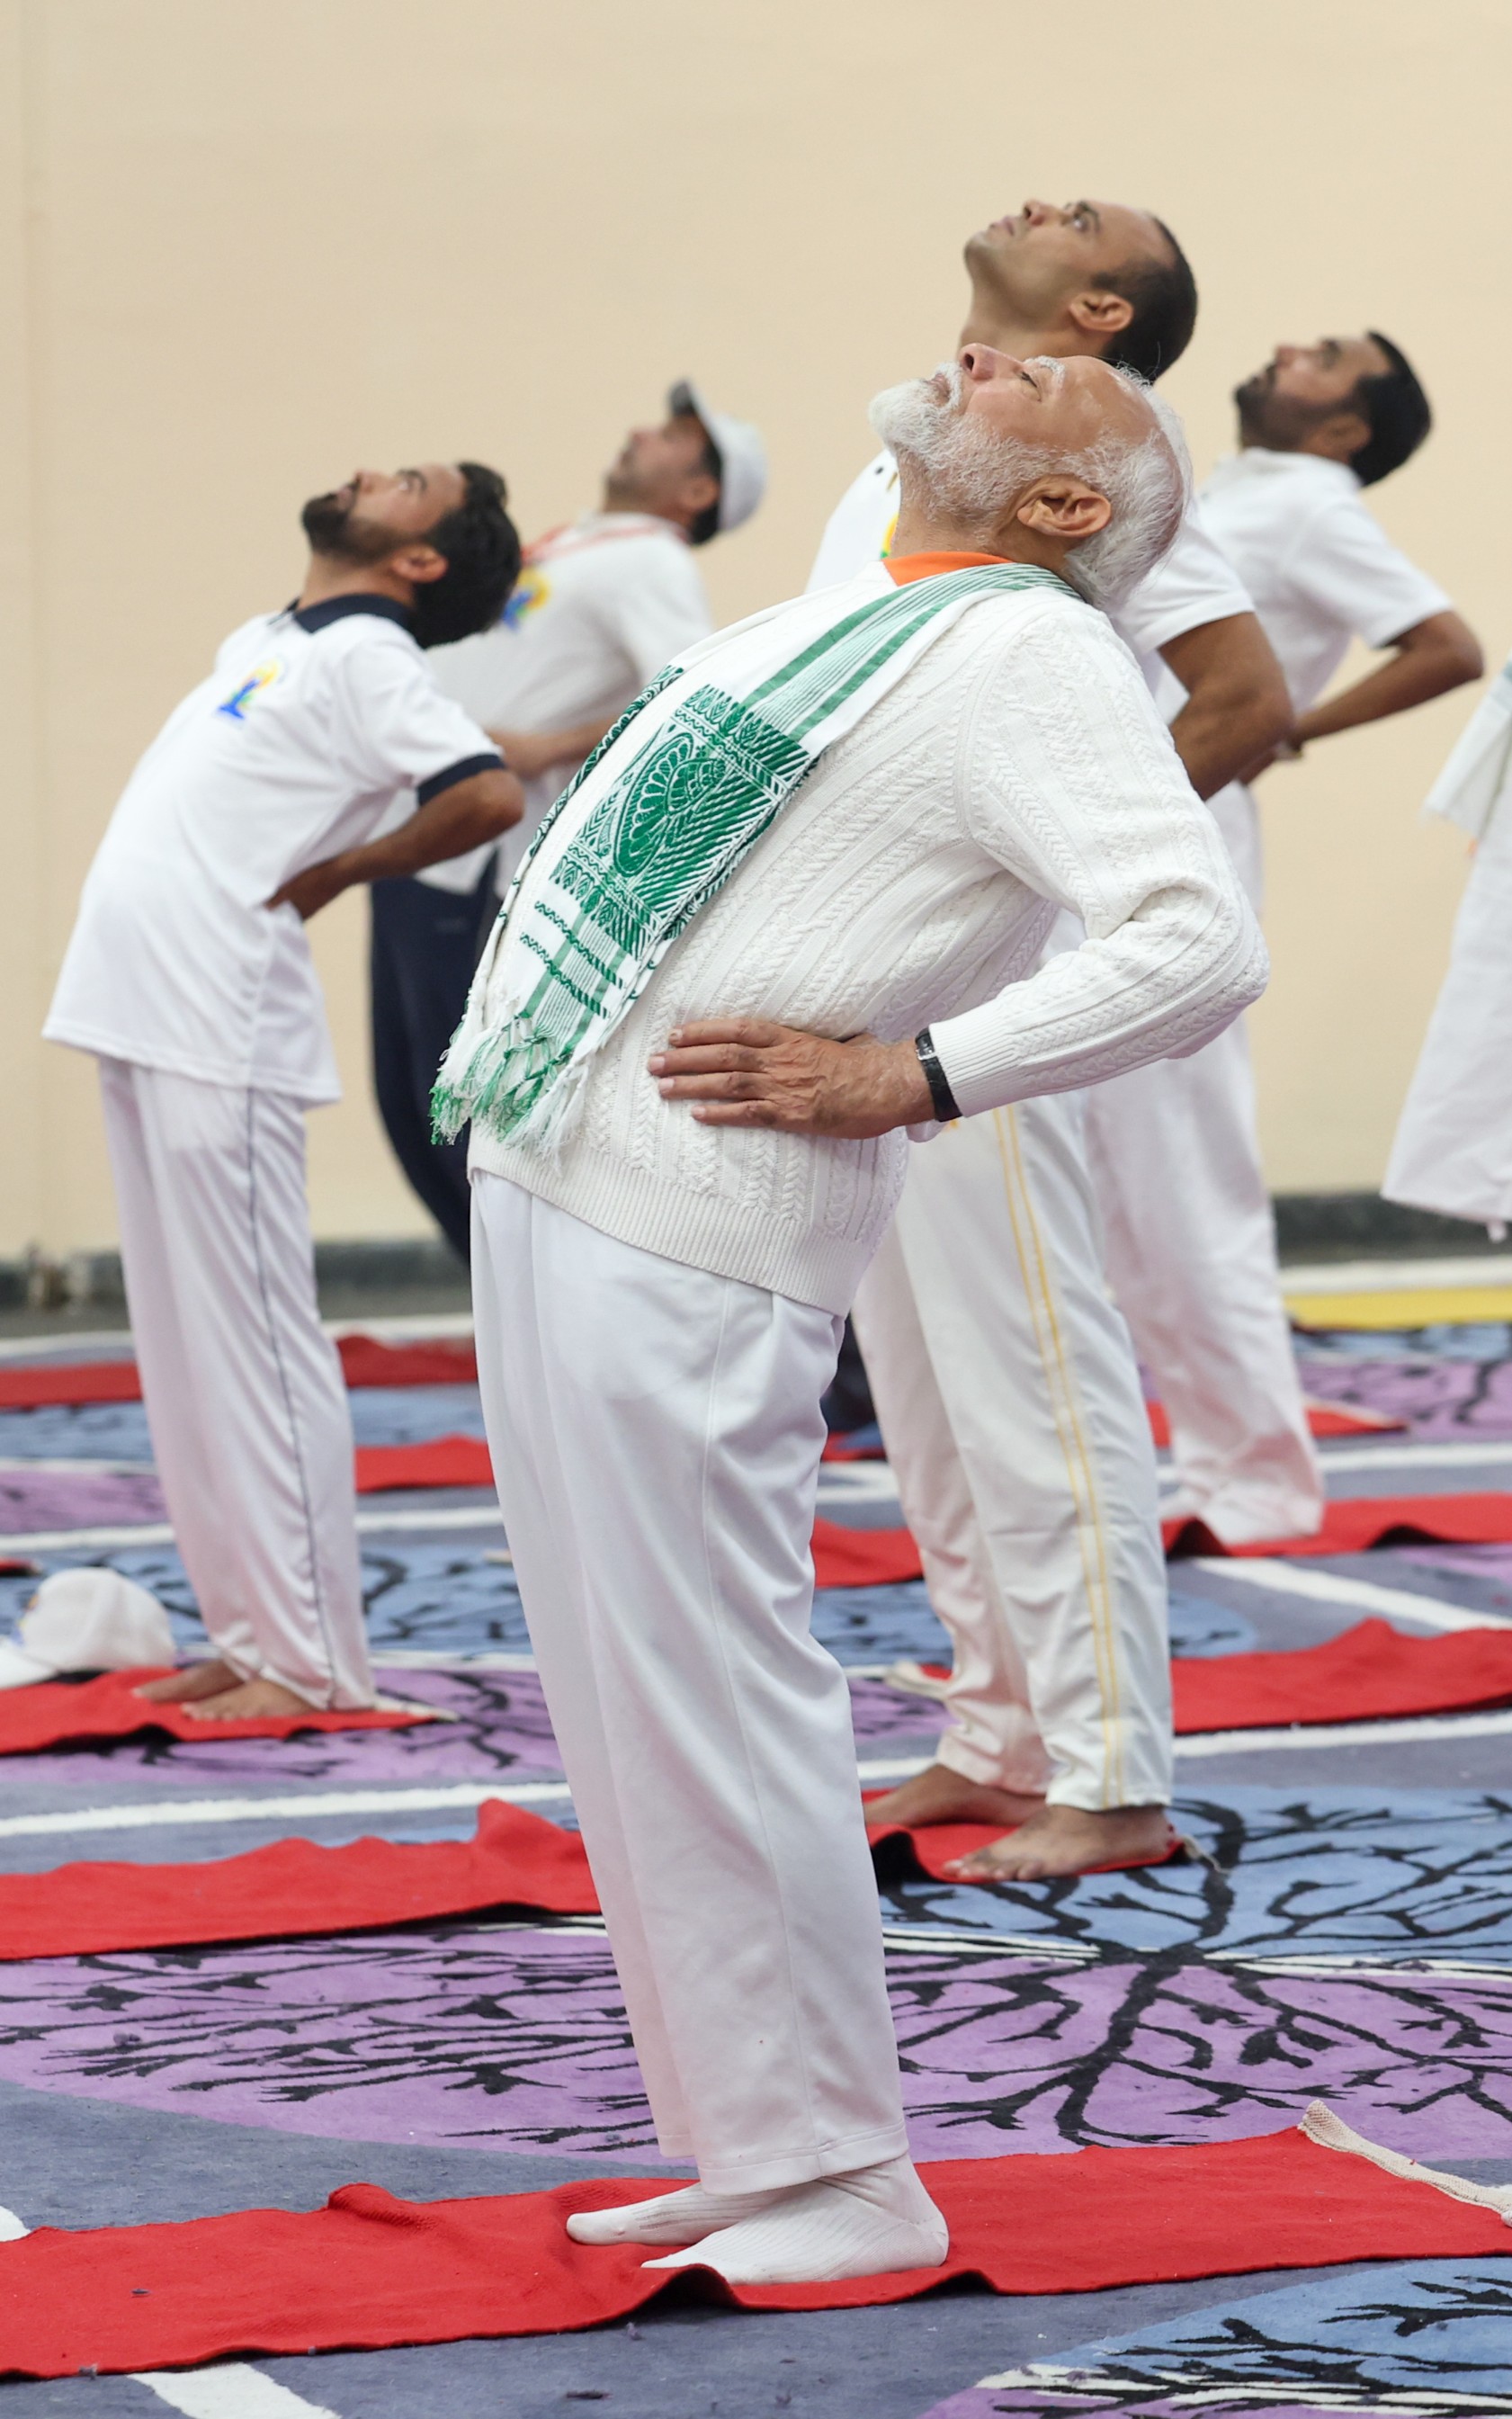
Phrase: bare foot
[1061,1839]
[195,1680]
[941,1795]
[250,1701]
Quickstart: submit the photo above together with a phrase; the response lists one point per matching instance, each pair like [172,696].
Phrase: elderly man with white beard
[792,910]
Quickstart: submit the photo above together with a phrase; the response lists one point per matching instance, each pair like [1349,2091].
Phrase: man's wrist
[947,1109]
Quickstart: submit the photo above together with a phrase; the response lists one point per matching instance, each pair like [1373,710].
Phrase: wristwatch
[945,1105]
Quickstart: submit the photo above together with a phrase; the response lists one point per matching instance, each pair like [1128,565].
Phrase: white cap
[85,1621]
[742,454]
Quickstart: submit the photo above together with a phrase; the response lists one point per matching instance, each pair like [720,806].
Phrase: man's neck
[988,322]
[924,530]
[326,577]
[608,504]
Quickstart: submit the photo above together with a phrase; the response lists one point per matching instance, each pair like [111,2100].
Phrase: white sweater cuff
[974,1052]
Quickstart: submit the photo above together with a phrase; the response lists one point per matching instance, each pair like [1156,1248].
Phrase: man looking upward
[189,977]
[1175,1154]
[600,607]
[1004,1379]
[1317,424]
[847,816]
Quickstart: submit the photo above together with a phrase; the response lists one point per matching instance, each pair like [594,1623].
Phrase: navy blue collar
[314,616]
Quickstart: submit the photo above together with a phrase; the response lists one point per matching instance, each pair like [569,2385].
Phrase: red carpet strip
[295,1889]
[865,1557]
[369,2271]
[1372,1672]
[1323,1419]
[1358,1524]
[364,1361]
[441,1461]
[58,1713]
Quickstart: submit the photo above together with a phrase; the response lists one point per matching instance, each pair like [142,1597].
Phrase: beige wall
[243,249]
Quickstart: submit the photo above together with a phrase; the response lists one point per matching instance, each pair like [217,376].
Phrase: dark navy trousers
[424,945]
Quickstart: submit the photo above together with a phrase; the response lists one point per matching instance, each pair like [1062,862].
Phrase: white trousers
[1010,1399]
[1190,1241]
[655,1435]
[244,1396]
[1453,1149]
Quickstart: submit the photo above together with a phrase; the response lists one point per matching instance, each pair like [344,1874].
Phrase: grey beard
[967,473]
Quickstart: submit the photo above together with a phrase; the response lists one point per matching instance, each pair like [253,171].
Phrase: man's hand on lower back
[316,888]
[744,1071]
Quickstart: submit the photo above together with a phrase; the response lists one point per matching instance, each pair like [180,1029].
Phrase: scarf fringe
[510,1082]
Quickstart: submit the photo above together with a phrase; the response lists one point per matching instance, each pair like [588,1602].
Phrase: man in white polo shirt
[601,606]
[1175,1151]
[189,977]
[1004,1378]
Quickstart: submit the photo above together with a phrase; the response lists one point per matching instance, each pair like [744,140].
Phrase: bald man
[854,815]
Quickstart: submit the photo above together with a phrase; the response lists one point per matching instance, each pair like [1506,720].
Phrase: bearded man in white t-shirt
[795,907]
[600,608]
[190,978]
[1004,1376]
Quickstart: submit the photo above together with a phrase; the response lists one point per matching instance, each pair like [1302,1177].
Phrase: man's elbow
[1464,659]
[497,803]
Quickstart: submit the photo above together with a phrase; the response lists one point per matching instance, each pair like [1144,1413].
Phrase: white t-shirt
[1194,585]
[315,731]
[599,609]
[1318,565]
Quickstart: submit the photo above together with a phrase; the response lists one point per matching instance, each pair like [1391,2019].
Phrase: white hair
[976,473]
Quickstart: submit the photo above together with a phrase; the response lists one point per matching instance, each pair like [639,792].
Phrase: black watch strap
[945,1107]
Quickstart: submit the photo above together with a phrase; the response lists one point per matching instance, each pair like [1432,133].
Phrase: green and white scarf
[657,821]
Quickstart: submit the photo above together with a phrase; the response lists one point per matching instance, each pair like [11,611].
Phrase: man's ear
[1099,312]
[419,563]
[1064,507]
[701,489]
[1341,435]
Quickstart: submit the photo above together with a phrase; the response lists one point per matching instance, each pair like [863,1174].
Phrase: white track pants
[244,1395]
[655,1435]
[1190,1241]
[1453,1150]
[1009,1401]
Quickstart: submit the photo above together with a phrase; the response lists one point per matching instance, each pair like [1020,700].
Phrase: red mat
[369,2270]
[1370,1673]
[1360,1523]
[364,1361]
[865,1557]
[295,1889]
[936,1845]
[58,1713]
[443,1461]
[862,1557]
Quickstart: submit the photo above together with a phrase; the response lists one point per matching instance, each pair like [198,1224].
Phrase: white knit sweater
[1019,766]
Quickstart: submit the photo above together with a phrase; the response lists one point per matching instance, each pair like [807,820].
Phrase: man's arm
[462,817]
[1439,653]
[1073,790]
[1237,709]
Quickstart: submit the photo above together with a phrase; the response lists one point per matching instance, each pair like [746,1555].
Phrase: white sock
[869,2223]
[675,2217]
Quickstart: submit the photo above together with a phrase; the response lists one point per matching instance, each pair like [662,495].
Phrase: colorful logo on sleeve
[528,594]
[253,687]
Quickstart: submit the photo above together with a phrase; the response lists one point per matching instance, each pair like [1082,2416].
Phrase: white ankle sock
[675,2217]
[872,2223]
